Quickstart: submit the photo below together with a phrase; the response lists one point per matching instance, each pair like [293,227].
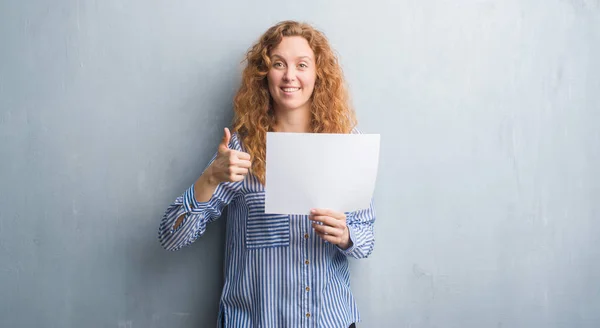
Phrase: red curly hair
[254,117]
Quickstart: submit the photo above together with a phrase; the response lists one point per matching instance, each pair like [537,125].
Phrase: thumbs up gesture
[230,165]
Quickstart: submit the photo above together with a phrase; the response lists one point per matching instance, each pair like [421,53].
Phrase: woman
[280,270]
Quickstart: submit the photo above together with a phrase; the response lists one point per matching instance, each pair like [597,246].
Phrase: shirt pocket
[265,230]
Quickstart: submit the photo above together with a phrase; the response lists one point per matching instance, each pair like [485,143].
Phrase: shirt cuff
[190,206]
[189,200]
[350,249]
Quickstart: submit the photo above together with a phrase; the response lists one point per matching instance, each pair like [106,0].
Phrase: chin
[290,106]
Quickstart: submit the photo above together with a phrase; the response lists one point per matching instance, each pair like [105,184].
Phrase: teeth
[290,89]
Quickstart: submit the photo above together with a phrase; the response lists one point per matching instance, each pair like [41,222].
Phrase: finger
[329,238]
[243,156]
[327,220]
[323,229]
[239,170]
[236,177]
[328,212]
[244,164]
[224,145]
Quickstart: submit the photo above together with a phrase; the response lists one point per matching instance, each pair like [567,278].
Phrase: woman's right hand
[230,165]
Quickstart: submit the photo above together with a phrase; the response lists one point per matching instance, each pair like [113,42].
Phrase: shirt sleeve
[196,214]
[360,225]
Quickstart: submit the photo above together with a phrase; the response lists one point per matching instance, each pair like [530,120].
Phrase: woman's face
[292,74]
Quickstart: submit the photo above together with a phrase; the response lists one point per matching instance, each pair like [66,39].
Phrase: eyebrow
[299,57]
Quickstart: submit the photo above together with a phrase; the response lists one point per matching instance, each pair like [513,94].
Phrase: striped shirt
[278,271]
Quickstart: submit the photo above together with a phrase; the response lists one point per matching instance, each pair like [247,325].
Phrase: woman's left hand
[331,226]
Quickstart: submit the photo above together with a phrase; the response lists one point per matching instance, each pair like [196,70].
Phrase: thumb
[224,145]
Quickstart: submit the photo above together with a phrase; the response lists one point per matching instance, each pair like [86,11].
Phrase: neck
[293,121]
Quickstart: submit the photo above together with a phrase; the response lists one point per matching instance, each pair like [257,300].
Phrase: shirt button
[305,236]
[307,289]
[306,262]
[308,315]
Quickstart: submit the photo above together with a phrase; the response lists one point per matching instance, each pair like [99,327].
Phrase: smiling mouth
[290,89]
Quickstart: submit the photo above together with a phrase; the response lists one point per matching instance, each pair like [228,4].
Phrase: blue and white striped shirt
[278,272]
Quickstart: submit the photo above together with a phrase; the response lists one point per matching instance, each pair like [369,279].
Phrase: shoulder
[355,131]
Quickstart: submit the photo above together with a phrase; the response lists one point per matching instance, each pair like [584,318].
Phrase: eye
[278,64]
[303,65]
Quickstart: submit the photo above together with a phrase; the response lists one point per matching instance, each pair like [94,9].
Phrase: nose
[289,74]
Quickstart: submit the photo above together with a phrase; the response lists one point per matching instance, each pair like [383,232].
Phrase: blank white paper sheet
[318,170]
